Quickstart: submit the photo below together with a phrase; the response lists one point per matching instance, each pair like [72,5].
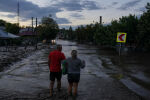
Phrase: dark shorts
[56,75]
[73,78]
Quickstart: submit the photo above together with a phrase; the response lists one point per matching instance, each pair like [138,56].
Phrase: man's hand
[48,63]
[82,63]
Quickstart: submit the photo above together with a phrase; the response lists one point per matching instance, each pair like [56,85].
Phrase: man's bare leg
[70,88]
[51,87]
[58,85]
[75,85]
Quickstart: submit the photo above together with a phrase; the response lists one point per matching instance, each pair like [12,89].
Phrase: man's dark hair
[74,53]
[59,47]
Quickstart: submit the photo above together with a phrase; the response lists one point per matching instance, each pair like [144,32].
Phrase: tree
[48,28]
[70,33]
[2,22]
[138,31]
[12,28]
[129,25]
[144,29]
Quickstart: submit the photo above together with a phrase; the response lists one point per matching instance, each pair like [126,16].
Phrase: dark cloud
[76,15]
[90,5]
[70,5]
[114,3]
[10,6]
[62,21]
[77,5]
[129,4]
[28,9]
[142,9]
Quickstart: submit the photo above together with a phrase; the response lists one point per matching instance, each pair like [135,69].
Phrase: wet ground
[131,69]
[10,55]
[101,79]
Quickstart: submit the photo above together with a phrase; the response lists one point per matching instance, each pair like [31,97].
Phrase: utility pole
[36,35]
[18,11]
[32,24]
[100,20]
[36,22]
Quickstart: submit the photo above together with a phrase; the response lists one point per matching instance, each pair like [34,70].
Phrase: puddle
[32,73]
[136,88]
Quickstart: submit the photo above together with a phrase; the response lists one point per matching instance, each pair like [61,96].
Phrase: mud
[28,79]
[10,56]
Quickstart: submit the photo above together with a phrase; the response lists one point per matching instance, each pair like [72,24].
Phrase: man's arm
[49,61]
[63,56]
[82,64]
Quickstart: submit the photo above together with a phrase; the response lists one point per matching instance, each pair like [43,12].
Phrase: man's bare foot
[51,93]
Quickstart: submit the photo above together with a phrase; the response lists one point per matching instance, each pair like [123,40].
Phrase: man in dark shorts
[54,61]
[74,64]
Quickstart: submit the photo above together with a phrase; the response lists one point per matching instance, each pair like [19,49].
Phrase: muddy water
[131,70]
[29,78]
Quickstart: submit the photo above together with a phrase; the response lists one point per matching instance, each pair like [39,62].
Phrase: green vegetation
[9,27]
[144,29]
[12,28]
[48,28]
[137,29]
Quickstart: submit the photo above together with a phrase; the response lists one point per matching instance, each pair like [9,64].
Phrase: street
[28,79]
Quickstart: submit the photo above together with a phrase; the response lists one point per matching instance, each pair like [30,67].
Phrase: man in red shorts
[54,61]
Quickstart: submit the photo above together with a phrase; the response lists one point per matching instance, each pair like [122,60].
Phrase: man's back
[74,65]
[55,58]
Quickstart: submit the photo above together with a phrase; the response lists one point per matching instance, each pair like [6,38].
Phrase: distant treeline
[137,29]
[9,27]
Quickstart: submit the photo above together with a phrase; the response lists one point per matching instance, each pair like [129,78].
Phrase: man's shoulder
[78,59]
[55,51]
[51,52]
[69,58]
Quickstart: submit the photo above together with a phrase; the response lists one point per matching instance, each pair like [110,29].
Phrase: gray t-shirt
[74,65]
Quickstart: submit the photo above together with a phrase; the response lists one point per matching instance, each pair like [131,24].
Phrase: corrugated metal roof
[27,33]
[13,36]
[4,34]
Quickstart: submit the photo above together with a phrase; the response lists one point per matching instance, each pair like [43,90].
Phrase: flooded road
[28,79]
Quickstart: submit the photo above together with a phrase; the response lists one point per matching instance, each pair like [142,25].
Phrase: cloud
[8,15]
[76,15]
[11,15]
[90,5]
[143,9]
[70,5]
[77,5]
[28,10]
[129,4]
[114,3]
[62,21]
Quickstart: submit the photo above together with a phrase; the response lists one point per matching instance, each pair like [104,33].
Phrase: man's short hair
[59,47]
[74,52]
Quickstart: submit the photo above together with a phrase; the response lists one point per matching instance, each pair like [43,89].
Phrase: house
[27,32]
[5,37]
[29,36]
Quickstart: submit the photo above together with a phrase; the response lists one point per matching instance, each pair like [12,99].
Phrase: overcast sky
[70,12]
